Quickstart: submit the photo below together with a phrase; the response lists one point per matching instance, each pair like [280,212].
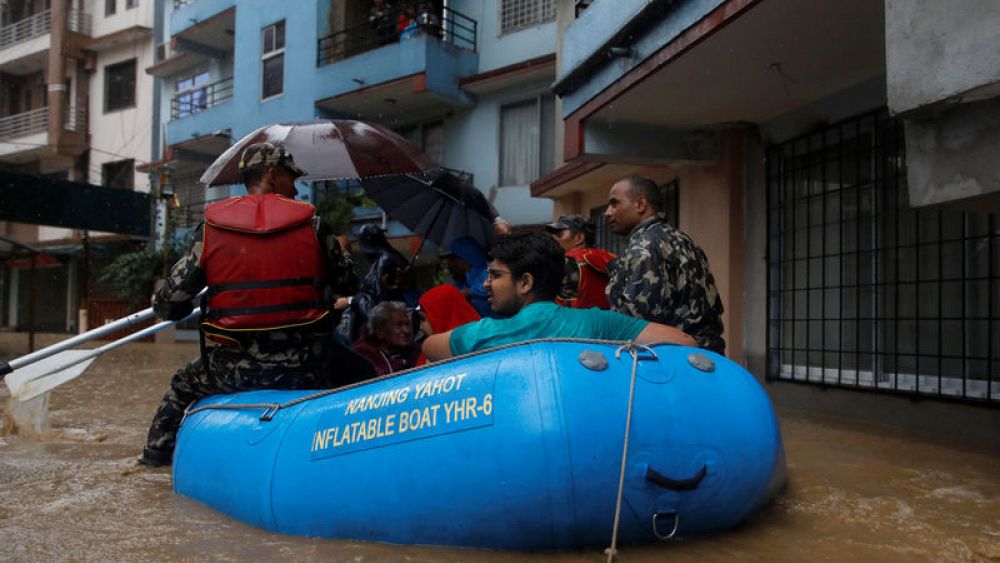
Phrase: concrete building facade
[74,107]
[834,161]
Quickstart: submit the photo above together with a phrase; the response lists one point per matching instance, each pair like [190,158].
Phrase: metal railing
[37,121]
[80,22]
[76,119]
[197,100]
[40,24]
[28,28]
[866,291]
[24,123]
[449,26]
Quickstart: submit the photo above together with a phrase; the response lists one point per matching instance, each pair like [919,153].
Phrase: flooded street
[856,492]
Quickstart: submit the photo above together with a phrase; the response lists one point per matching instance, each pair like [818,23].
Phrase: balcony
[40,24]
[200,99]
[398,79]
[24,124]
[24,136]
[453,28]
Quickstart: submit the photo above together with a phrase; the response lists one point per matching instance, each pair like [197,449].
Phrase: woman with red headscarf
[443,308]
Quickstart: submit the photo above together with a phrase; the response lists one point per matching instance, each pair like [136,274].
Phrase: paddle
[50,372]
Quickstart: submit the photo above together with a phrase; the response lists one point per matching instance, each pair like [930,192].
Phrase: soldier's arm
[175,299]
[341,274]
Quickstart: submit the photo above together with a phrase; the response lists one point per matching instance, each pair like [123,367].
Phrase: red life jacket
[593,265]
[263,265]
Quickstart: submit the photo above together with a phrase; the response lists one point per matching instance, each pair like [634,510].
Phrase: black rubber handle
[689,484]
[4,370]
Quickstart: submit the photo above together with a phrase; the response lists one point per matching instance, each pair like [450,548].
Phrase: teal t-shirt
[545,320]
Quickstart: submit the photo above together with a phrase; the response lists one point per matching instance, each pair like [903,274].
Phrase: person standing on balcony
[586,274]
[379,18]
[271,272]
[662,276]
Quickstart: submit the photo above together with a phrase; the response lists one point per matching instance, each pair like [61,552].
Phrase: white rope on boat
[633,349]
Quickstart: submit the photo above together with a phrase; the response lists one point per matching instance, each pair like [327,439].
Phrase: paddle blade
[33,380]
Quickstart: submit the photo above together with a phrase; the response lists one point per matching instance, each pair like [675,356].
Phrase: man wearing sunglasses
[524,277]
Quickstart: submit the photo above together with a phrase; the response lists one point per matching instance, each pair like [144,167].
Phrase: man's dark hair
[253,176]
[529,252]
[643,186]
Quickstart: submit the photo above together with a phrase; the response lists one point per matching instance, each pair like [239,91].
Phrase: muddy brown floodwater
[855,493]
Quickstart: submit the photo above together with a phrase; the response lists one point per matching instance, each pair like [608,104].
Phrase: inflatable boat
[515,448]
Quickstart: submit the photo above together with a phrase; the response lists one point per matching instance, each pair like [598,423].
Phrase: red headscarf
[446,308]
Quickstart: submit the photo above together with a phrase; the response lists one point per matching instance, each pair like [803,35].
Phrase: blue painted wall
[471,135]
[598,23]
[496,51]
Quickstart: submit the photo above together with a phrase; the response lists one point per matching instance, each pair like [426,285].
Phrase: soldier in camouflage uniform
[278,358]
[662,276]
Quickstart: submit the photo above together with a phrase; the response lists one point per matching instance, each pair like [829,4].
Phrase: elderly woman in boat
[523,279]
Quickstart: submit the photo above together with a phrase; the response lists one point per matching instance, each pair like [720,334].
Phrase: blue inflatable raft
[516,448]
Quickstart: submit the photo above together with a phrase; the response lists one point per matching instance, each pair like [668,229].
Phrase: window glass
[118,174]
[110,7]
[518,14]
[527,139]
[272,60]
[119,86]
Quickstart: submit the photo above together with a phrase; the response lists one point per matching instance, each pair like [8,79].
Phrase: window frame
[545,9]
[543,167]
[130,103]
[131,4]
[272,53]
[116,167]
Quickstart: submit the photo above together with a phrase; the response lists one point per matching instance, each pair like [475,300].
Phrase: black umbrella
[436,205]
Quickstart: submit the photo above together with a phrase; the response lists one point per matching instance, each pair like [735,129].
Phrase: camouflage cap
[575,223]
[260,156]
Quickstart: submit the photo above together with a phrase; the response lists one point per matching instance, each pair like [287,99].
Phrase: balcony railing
[76,119]
[79,22]
[24,123]
[37,121]
[40,24]
[450,26]
[197,100]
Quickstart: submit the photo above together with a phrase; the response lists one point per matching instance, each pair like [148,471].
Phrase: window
[191,95]
[866,291]
[429,138]
[129,4]
[118,174]
[518,14]
[272,60]
[110,7]
[119,86]
[527,141]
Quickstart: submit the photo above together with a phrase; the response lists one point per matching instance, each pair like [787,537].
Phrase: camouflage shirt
[663,277]
[176,298]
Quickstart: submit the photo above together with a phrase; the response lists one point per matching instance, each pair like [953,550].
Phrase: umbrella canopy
[327,150]
[437,205]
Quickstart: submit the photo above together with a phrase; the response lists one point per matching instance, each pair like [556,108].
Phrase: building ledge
[121,37]
[562,175]
[534,70]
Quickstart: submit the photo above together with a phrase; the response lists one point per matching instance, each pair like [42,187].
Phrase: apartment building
[836,161]
[469,84]
[74,111]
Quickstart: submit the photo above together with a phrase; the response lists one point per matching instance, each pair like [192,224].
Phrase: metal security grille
[517,14]
[864,290]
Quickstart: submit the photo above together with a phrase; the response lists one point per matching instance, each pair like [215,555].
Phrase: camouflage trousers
[233,369]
